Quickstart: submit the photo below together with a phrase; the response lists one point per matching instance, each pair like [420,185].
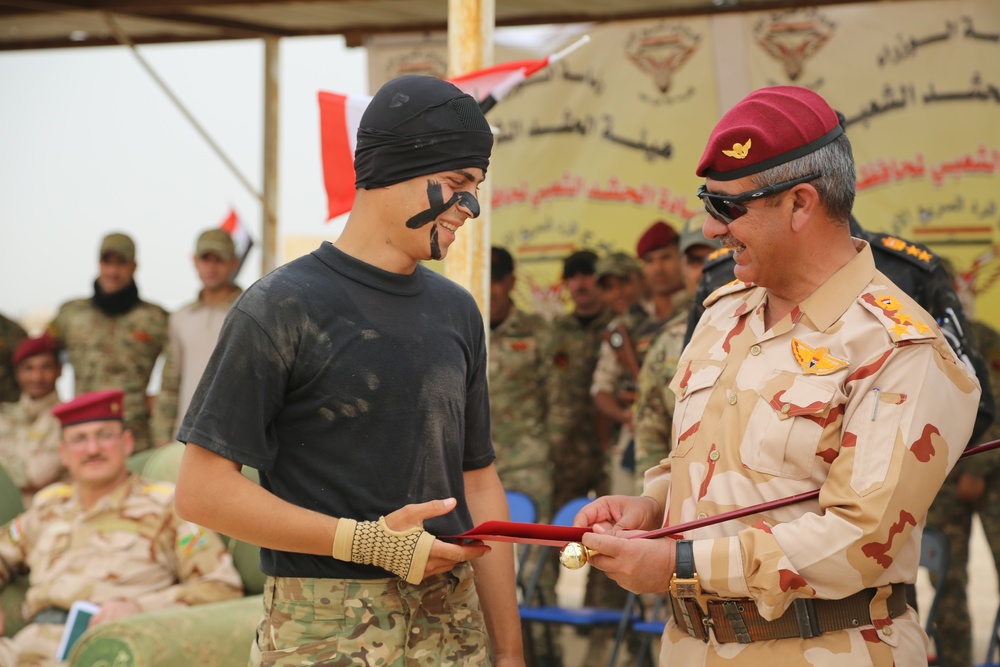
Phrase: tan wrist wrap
[404,553]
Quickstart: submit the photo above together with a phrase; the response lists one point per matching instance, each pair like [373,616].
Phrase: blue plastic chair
[536,609]
[523,510]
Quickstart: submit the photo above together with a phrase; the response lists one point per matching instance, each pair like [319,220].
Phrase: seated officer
[108,537]
[29,433]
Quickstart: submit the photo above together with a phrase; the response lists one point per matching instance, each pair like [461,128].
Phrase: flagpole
[470,48]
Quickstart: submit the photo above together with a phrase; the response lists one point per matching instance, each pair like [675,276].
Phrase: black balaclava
[419,125]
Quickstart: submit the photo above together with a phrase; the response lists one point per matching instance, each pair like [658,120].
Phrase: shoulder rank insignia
[816,360]
[58,490]
[893,309]
[739,151]
[899,245]
[162,489]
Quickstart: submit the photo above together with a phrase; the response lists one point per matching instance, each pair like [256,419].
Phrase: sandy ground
[983,600]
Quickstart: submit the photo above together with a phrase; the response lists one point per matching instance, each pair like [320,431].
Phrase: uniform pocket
[880,413]
[780,438]
[692,385]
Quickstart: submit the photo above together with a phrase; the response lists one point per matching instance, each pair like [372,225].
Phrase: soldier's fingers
[410,515]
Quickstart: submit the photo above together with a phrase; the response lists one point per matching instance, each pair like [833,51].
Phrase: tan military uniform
[29,443]
[854,393]
[654,405]
[129,546]
[114,352]
[193,332]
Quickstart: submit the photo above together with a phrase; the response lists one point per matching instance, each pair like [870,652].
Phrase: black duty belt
[737,620]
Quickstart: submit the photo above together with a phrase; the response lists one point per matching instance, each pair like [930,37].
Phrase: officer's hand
[639,566]
[444,556]
[114,610]
[615,513]
[970,488]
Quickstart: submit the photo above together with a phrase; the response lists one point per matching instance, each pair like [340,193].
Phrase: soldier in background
[29,433]
[655,403]
[109,537]
[629,337]
[518,412]
[573,423]
[972,488]
[114,338]
[11,334]
[194,330]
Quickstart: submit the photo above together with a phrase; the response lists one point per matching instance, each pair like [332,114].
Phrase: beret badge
[739,151]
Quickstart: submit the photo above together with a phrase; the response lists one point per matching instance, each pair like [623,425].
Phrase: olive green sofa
[211,635]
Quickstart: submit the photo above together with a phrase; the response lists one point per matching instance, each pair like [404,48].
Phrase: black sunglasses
[726,208]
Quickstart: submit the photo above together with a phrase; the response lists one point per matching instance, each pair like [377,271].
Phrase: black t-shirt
[353,390]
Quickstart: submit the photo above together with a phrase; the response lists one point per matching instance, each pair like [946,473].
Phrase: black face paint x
[439,206]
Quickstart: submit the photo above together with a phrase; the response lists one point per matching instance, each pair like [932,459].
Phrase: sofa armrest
[218,634]
[12,602]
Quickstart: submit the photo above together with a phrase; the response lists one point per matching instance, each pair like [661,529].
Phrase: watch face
[616,340]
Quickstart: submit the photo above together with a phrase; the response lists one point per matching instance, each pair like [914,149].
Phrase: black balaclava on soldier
[418,125]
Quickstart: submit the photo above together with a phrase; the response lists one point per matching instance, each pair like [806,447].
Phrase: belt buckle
[689,588]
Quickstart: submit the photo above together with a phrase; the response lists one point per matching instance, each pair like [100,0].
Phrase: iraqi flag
[241,237]
[339,116]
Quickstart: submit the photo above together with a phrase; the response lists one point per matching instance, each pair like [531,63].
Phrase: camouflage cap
[692,236]
[215,242]
[616,264]
[119,244]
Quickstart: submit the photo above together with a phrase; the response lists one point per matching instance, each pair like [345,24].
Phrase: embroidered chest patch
[816,360]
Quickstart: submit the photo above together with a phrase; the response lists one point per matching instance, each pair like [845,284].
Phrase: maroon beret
[660,235]
[766,128]
[29,347]
[91,407]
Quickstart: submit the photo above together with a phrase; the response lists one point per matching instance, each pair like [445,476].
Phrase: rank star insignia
[739,151]
[816,360]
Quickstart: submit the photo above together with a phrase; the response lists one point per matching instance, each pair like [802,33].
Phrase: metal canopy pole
[470,47]
[269,207]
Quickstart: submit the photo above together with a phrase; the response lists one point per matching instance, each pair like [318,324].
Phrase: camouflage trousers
[954,518]
[372,622]
[34,646]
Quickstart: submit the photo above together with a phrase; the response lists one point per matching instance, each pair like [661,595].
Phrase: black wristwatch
[684,583]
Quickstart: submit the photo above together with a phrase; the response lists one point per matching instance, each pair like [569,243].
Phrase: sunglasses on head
[726,208]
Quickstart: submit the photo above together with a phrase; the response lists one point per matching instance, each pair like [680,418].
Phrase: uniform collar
[832,299]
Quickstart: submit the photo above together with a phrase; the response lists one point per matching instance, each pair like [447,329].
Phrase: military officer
[114,338]
[654,405]
[573,424]
[108,537]
[29,432]
[811,373]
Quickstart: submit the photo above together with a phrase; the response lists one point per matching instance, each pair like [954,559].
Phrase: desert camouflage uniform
[854,393]
[129,546]
[612,376]
[314,621]
[29,443]
[913,268]
[577,452]
[114,352]
[11,335]
[954,517]
[654,405]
